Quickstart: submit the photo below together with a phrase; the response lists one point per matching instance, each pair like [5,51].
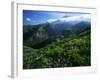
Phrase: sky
[31,17]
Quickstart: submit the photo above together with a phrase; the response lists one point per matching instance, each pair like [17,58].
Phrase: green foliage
[67,52]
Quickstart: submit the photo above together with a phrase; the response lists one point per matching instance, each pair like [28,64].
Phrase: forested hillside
[68,49]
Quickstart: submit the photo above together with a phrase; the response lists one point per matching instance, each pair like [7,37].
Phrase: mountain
[66,22]
[34,35]
[81,26]
[60,25]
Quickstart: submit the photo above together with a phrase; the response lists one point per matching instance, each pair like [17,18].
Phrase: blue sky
[37,17]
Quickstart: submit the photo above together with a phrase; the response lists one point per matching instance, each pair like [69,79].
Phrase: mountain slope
[68,52]
[37,34]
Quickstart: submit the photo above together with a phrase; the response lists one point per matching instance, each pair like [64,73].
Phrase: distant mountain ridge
[34,34]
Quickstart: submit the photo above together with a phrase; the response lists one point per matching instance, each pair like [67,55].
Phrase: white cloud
[78,18]
[51,20]
[85,17]
[72,18]
[28,19]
